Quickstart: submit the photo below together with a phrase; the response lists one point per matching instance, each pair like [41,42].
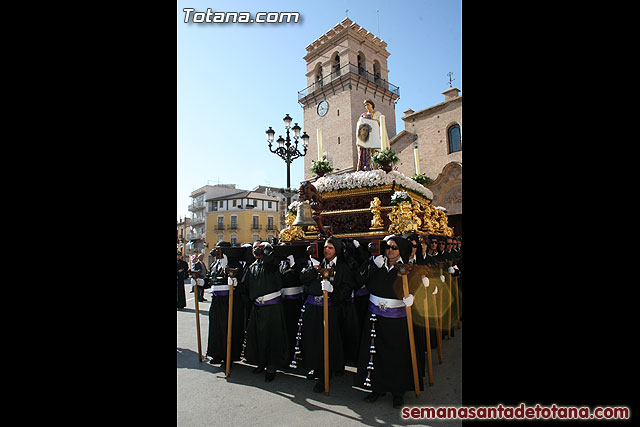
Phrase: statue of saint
[371,135]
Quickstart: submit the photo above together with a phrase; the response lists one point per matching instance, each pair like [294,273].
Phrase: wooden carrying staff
[457,302]
[231,272]
[325,273]
[404,269]
[194,275]
[438,327]
[423,273]
[450,302]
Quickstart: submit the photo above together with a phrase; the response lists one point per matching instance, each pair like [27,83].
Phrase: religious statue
[309,193]
[371,135]
[375,208]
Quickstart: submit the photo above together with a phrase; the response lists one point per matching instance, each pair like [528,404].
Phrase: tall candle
[416,159]
[319,144]
[384,142]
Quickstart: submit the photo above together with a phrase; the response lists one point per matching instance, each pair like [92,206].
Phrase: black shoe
[215,360]
[311,375]
[269,377]
[373,396]
[398,402]
[258,370]
[319,387]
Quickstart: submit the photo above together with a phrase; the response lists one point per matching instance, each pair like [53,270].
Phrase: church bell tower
[345,66]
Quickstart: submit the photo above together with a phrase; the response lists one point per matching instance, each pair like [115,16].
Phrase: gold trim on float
[380,189]
[356,191]
[352,211]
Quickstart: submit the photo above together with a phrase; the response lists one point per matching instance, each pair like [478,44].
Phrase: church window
[376,72]
[454,138]
[319,76]
[336,65]
[361,66]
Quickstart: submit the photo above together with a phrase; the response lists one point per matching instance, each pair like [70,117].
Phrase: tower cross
[450,79]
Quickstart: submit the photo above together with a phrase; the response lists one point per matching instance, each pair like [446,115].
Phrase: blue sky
[235,80]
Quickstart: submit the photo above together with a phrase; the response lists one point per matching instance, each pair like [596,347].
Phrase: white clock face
[323,107]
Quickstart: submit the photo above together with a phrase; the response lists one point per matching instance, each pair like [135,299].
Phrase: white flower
[373,178]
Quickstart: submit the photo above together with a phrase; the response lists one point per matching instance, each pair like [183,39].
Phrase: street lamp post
[287,150]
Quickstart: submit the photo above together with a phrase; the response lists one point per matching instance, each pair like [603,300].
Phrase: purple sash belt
[395,313]
[362,291]
[314,300]
[220,293]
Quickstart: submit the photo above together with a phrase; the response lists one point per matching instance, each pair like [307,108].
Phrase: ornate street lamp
[287,150]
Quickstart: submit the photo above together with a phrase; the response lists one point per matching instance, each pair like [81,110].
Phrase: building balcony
[346,77]
[194,206]
[197,220]
[195,236]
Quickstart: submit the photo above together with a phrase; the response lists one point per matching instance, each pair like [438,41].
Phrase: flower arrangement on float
[321,167]
[370,179]
[399,197]
[421,178]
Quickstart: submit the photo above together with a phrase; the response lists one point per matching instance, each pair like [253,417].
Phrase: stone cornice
[432,109]
[346,27]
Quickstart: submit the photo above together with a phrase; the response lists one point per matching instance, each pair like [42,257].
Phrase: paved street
[206,397]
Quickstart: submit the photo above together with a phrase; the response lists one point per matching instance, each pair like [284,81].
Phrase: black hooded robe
[219,317]
[392,366]
[266,337]
[312,340]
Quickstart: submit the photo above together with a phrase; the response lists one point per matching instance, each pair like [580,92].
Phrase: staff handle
[325,322]
[194,275]
[426,325]
[412,343]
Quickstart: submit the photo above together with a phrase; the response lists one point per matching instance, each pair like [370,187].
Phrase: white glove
[442,278]
[450,270]
[356,243]
[223,261]
[408,301]
[456,267]
[379,261]
[425,282]
[314,261]
[326,286]
[232,281]
[291,260]
[435,292]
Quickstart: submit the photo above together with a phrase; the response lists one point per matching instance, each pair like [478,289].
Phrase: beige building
[182,232]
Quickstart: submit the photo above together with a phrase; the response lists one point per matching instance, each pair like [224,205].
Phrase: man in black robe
[338,287]
[266,335]
[417,309]
[449,298]
[292,298]
[219,310]
[384,363]
[202,273]
[431,256]
[182,273]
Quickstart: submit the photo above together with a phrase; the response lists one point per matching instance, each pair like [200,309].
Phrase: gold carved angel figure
[375,207]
